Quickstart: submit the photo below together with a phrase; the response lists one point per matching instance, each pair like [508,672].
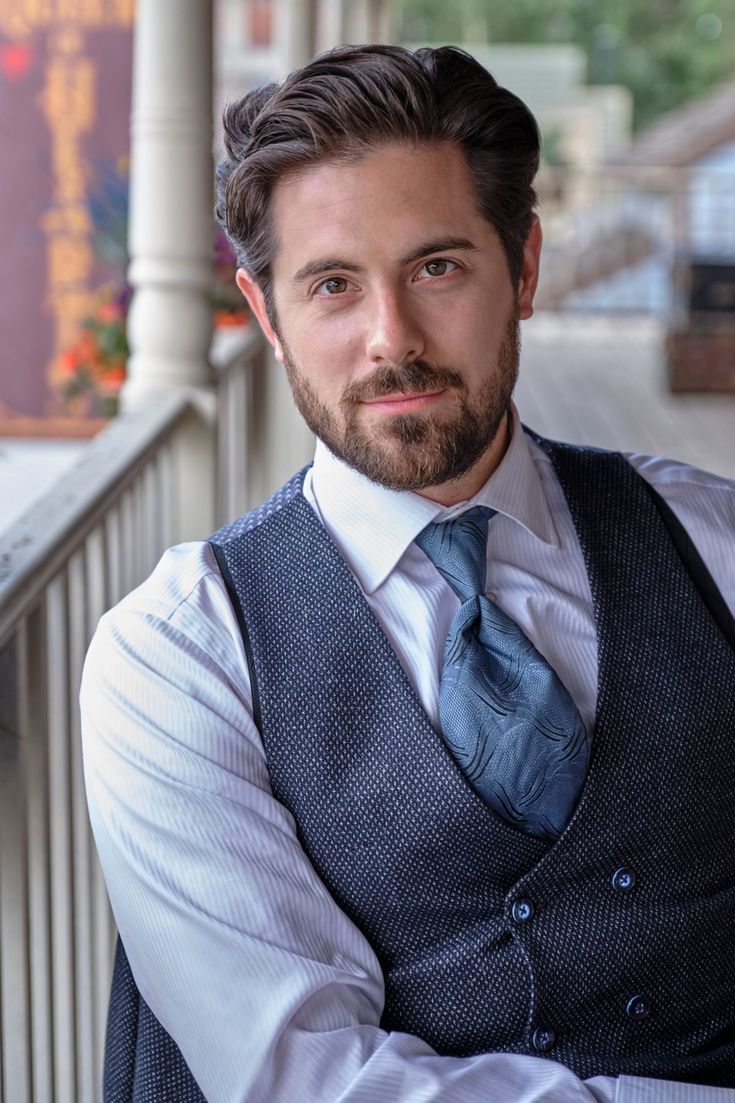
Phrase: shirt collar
[373,526]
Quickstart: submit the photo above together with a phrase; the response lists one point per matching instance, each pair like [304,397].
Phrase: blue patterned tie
[505,715]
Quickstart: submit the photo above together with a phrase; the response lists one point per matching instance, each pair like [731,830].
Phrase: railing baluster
[65,563]
[33,665]
[223,444]
[140,542]
[237,433]
[102,926]
[62,914]
[167,504]
[114,586]
[128,572]
[78,635]
[15,1021]
[151,523]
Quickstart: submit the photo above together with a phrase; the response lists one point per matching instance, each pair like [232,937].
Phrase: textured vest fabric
[143,1064]
[430,874]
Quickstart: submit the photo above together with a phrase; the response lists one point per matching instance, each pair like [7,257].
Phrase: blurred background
[139,406]
[637,195]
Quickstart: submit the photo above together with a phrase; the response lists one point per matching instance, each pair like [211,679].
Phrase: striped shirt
[269,990]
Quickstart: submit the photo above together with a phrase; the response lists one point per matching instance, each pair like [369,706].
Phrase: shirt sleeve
[269,990]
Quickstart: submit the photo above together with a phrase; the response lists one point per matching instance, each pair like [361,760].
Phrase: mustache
[413,378]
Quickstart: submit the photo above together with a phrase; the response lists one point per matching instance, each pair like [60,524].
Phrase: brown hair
[355,98]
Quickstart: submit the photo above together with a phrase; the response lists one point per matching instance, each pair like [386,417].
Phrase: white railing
[242,364]
[72,556]
[612,235]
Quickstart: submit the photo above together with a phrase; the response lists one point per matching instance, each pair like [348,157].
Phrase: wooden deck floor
[601,381]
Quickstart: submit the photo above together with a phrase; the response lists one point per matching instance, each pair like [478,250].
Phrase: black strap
[687,552]
[692,560]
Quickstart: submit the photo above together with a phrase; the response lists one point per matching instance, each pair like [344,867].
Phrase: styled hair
[356,98]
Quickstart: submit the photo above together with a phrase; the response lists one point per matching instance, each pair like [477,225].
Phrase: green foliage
[665,51]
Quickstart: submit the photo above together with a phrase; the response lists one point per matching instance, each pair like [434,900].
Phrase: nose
[394,335]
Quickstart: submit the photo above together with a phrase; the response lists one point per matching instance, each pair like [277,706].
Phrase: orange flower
[67,364]
[225,318]
[87,348]
[116,374]
[109,312]
[111,383]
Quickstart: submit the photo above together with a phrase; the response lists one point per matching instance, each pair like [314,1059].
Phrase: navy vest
[619,956]
[629,973]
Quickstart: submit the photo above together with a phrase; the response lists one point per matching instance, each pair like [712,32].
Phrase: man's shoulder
[669,475]
[182,602]
[704,503]
[178,620]
[666,475]
[178,577]
[186,586]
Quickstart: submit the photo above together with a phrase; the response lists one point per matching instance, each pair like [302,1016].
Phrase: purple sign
[65,82]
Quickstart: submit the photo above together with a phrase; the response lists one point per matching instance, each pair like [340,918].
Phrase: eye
[437,267]
[335,285]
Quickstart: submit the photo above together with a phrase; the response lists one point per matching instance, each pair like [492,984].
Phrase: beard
[412,451]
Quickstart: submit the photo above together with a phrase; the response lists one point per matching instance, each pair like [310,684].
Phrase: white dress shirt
[268,988]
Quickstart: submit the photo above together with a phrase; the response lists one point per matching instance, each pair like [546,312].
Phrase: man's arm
[269,990]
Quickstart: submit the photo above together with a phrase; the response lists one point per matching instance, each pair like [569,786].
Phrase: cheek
[464,328]
[329,347]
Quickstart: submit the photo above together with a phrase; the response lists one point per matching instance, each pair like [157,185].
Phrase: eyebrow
[329,264]
[442,245]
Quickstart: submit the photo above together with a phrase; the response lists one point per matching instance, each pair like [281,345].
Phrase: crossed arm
[269,990]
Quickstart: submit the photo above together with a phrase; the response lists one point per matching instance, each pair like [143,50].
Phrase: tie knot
[458,550]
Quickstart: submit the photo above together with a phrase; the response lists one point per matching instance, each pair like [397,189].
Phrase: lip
[401,403]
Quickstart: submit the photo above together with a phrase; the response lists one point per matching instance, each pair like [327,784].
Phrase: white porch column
[331,25]
[295,33]
[171,234]
[368,21]
[385,21]
[170,322]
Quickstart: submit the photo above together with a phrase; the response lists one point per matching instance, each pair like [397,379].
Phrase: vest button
[623,879]
[638,1007]
[543,1040]
[522,911]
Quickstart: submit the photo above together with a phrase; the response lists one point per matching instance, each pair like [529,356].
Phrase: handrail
[231,346]
[151,479]
[37,545]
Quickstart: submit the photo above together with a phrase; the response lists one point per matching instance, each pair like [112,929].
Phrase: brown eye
[335,285]
[432,269]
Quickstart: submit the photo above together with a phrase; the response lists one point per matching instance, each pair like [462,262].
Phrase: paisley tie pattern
[505,716]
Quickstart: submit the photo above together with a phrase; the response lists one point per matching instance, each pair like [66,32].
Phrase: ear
[530,271]
[256,302]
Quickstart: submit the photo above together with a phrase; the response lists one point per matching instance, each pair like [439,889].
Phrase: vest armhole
[221,558]
[685,548]
[695,566]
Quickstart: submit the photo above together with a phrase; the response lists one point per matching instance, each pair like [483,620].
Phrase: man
[347,862]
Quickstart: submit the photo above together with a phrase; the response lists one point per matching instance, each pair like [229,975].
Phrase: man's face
[396,317]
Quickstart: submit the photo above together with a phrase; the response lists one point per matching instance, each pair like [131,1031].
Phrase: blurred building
[257,41]
[65,88]
[208,430]
[583,125]
[671,196]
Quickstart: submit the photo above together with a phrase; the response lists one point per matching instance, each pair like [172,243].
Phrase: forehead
[385,202]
